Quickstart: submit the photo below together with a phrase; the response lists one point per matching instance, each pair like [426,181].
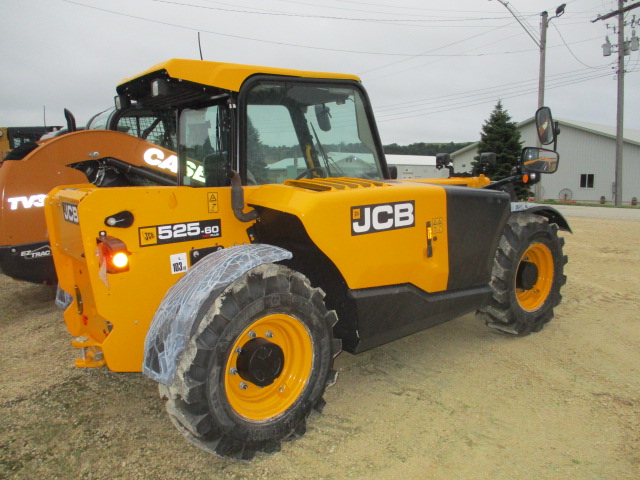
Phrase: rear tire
[527,275]
[259,361]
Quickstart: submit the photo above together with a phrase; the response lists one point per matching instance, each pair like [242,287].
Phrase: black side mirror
[442,160]
[545,126]
[393,172]
[539,160]
[323,117]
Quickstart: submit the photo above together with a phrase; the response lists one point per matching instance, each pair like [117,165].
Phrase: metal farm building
[587,162]
[416,166]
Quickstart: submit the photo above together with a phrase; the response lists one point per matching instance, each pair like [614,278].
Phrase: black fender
[174,321]
[553,215]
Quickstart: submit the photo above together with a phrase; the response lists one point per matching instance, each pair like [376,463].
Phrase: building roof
[630,135]
[418,160]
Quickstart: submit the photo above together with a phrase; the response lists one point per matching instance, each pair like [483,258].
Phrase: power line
[270,42]
[483,91]
[413,8]
[422,65]
[324,6]
[328,17]
[470,103]
[429,53]
[435,49]
[568,48]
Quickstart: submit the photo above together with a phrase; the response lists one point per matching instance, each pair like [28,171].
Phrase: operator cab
[288,130]
[270,126]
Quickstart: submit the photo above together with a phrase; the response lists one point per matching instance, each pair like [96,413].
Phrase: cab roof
[227,76]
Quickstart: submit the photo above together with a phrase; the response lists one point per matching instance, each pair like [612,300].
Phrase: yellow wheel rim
[532,299]
[263,403]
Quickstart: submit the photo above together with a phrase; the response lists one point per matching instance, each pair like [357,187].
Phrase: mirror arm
[504,181]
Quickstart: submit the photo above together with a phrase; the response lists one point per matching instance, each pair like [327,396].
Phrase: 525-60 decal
[179,232]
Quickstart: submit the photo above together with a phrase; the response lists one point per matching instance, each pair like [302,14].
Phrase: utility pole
[620,108]
[544,24]
[622,47]
[542,45]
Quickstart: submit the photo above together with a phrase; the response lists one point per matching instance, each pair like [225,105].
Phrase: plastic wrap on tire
[173,321]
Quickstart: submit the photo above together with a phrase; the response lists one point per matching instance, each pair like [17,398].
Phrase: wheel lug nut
[243,386]
[252,334]
[238,350]
[233,371]
[269,334]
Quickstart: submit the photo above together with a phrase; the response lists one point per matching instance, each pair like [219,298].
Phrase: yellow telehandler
[286,240]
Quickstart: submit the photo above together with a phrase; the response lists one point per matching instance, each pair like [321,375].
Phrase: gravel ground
[457,401]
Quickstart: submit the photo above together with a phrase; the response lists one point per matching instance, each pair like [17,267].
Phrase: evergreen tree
[501,136]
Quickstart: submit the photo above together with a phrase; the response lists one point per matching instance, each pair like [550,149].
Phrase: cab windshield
[306,130]
[288,130]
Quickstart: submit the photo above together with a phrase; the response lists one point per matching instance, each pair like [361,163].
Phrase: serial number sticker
[178,263]
[179,232]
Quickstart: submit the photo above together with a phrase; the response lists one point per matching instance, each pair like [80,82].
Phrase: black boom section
[475,220]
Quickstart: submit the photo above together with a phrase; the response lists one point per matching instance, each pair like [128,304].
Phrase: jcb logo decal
[382,217]
[148,236]
[70,212]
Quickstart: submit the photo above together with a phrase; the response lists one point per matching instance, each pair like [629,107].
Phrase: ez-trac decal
[179,232]
[40,252]
[382,217]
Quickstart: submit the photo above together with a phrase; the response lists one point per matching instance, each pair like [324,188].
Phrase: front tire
[527,275]
[258,363]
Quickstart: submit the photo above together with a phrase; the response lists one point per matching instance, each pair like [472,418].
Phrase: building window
[586,180]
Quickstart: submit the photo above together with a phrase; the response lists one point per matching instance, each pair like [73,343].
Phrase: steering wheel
[309,171]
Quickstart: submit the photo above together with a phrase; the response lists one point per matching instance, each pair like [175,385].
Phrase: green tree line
[422,148]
